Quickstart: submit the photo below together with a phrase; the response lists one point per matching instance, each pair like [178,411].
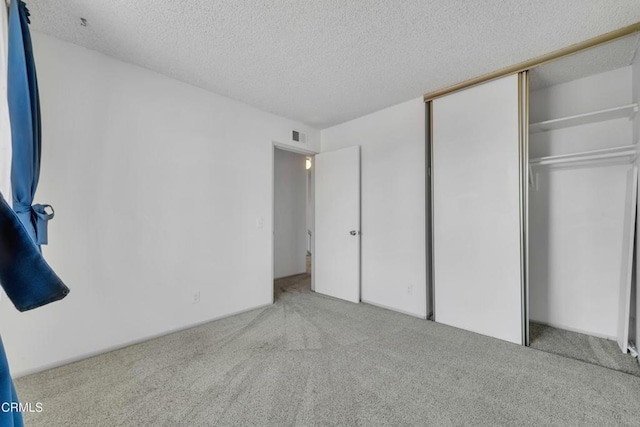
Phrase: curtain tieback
[38,216]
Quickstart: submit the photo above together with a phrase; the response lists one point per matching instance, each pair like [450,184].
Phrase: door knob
[353,232]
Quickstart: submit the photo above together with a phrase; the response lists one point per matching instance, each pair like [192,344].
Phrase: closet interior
[582,205]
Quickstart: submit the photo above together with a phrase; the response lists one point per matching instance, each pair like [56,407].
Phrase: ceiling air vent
[299,137]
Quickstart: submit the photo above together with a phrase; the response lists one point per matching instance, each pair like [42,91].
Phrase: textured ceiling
[607,57]
[327,61]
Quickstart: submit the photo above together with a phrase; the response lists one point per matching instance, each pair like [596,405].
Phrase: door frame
[306,152]
[523,147]
[429,226]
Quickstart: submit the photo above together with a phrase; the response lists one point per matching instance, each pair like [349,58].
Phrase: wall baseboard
[126,344]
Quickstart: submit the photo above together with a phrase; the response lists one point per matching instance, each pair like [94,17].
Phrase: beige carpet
[312,360]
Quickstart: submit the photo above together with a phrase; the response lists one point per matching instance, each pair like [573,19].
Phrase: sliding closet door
[477,210]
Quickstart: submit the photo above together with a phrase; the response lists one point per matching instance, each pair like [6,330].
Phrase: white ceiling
[324,62]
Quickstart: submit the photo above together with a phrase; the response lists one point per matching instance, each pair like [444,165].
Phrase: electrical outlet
[260,222]
[410,290]
[196,297]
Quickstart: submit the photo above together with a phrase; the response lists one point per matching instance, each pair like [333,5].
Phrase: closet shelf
[581,119]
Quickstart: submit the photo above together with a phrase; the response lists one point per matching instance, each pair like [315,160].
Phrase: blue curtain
[24,274]
[29,282]
[24,113]
[9,417]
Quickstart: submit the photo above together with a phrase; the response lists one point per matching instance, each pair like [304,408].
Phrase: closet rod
[582,153]
[607,153]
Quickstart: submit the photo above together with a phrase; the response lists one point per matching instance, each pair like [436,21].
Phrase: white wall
[604,90]
[576,216]
[161,190]
[290,217]
[393,203]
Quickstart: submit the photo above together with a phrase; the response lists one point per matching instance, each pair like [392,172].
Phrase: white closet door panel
[476,210]
[626,275]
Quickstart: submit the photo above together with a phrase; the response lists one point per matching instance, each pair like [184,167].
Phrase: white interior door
[477,216]
[337,242]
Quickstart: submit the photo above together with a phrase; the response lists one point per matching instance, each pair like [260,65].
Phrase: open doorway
[293,222]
